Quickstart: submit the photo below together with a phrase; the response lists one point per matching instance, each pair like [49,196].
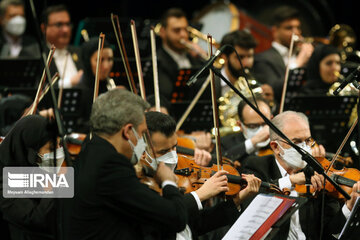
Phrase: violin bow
[41,83]
[215,108]
[137,58]
[121,46]
[342,145]
[155,69]
[283,94]
[98,64]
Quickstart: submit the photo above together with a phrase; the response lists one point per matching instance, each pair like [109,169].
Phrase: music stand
[200,118]
[295,81]
[328,116]
[351,230]
[180,89]
[19,72]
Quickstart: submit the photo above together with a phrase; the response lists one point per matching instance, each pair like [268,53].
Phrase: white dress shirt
[62,56]
[182,60]
[284,52]
[12,48]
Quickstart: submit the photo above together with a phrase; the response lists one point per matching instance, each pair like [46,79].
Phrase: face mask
[138,149]
[16,25]
[251,132]
[293,158]
[47,160]
[170,159]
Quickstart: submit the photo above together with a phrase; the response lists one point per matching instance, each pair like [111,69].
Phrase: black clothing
[269,67]
[314,84]
[30,47]
[27,218]
[208,219]
[111,203]
[233,147]
[267,170]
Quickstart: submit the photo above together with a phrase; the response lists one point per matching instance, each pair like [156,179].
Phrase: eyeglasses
[61,24]
[309,141]
[254,125]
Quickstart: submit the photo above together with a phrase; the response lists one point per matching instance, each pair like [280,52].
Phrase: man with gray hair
[13,42]
[110,202]
[285,169]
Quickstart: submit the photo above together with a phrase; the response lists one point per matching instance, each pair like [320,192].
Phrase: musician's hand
[253,186]
[213,186]
[317,181]
[297,178]
[318,151]
[203,140]
[202,157]
[261,136]
[76,78]
[196,51]
[47,113]
[164,173]
[354,195]
[306,50]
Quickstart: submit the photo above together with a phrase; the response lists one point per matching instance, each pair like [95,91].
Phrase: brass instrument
[229,102]
[343,37]
[349,90]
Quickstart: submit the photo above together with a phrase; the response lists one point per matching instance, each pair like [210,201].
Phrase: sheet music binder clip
[351,230]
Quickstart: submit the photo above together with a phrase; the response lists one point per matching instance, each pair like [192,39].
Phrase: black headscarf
[314,83]
[24,140]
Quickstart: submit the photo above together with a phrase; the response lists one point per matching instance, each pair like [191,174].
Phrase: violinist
[163,137]
[254,133]
[109,200]
[29,144]
[270,65]
[284,169]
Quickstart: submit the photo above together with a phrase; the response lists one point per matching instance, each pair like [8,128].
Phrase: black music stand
[19,72]
[351,229]
[181,90]
[200,118]
[328,116]
[296,80]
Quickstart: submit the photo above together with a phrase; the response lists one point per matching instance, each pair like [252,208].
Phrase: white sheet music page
[253,217]
[356,205]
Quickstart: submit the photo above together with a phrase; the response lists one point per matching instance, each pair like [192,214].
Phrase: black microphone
[348,79]
[194,78]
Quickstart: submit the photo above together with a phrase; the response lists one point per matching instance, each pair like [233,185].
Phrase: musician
[201,220]
[172,55]
[323,64]
[270,65]
[254,133]
[244,44]
[108,195]
[28,144]
[56,26]
[13,42]
[282,168]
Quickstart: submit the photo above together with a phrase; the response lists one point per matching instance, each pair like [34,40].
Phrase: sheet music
[254,216]
[356,205]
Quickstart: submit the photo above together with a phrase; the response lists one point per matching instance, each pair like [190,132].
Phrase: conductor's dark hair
[160,122]
[172,12]
[240,38]
[242,105]
[52,9]
[284,13]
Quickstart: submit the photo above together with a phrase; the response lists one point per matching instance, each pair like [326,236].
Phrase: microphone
[194,78]
[348,79]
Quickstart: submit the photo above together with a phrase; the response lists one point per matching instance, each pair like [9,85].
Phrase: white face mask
[170,159]
[16,25]
[251,132]
[138,149]
[47,160]
[292,158]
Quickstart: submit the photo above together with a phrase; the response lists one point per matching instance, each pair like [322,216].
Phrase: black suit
[168,72]
[267,170]
[111,203]
[233,147]
[208,219]
[269,67]
[29,46]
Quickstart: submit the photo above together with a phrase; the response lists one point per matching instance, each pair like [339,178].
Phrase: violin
[74,142]
[146,174]
[192,177]
[345,177]
[1,139]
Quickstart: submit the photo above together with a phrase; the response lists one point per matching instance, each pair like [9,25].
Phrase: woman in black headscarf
[25,145]
[321,68]
[87,82]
